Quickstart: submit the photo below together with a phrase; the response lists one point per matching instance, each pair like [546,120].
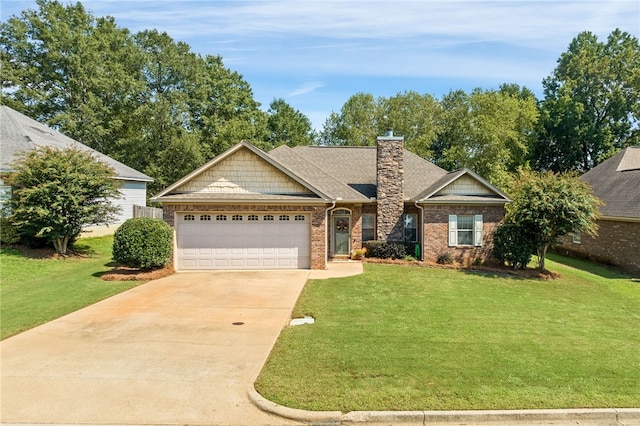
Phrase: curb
[600,416]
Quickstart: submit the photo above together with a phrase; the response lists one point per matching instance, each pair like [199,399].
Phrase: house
[616,181]
[300,207]
[19,133]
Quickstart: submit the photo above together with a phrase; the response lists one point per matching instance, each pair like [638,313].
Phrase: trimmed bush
[512,246]
[445,258]
[385,250]
[143,242]
[8,232]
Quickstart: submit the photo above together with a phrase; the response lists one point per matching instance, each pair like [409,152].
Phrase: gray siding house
[19,133]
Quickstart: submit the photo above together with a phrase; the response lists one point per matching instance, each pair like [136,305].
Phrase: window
[205,217]
[189,217]
[299,218]
[575,237]
[284,217]
[368,227]
[410,227]
[465,230]
[252,217]
[5,196]
[221,217]
[236,217]
[268,217]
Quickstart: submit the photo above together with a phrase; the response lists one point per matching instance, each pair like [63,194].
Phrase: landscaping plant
[143,242]
[56,192]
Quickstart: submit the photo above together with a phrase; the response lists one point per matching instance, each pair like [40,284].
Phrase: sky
[316,54]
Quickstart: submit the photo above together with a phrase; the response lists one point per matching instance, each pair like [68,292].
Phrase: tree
[138,98]
[414,116]
[55,193]
[487,131]
[77,73]
[287,126]
[356,125]
[592,103]
[548,206]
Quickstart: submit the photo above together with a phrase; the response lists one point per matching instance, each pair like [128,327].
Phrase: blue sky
[316,54]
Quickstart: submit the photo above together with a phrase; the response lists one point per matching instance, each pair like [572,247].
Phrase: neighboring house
[616,181]
[299,207]
[19,133]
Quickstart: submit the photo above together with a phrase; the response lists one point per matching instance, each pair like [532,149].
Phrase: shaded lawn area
[407,338]
[34,291]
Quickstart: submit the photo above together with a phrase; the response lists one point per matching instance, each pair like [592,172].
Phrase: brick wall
[436,232]
[318,223]
[617,243]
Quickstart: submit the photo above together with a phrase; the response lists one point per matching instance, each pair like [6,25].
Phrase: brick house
[300,207]
[616,181]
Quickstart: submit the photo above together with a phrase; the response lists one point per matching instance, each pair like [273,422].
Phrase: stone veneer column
[390,182]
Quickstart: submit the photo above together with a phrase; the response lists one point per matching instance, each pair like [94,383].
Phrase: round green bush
[143,242]
[512,245]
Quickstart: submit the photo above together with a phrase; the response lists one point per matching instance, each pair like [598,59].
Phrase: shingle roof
[616,181]
[19,133]
[354,169]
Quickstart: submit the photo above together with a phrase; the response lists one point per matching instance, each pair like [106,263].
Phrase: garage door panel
[249,242]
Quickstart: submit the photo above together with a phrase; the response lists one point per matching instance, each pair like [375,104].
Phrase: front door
[341,234]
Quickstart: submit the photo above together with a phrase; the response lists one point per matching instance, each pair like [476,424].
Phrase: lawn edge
[599,415]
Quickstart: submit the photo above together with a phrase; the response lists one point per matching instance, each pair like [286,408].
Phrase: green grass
[34,291]
[406,338]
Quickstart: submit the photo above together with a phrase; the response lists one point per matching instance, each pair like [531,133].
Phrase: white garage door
[243,241]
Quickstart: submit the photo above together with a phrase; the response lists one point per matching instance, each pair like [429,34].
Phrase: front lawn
[36,290]
[408,338]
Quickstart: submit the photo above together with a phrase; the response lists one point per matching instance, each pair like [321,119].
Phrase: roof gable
[616,181]
[19,134]
[462,186]
[242,172]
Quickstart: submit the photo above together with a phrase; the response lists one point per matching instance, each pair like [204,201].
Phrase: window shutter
[453,230]
[477,229]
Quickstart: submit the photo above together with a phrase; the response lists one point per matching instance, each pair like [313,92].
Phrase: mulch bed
[122,273]
[494,269]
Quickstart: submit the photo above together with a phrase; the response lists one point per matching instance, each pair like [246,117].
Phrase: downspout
[421,233]
[326,232]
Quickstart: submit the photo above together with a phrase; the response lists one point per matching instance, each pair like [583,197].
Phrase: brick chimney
[390,182]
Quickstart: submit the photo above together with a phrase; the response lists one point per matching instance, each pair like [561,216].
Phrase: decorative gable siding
[243,172]
[465,185]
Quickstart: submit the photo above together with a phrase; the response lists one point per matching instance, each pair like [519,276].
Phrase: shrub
[8,232]
[385,250]
[512,246]
[143,242]
[445,258]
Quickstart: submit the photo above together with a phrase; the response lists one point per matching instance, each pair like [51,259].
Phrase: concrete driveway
[179,350]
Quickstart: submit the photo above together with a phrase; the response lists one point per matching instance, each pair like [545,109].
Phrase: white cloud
[305,89]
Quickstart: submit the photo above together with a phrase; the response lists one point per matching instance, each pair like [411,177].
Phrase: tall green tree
[487,131]
[77,73]
[547,206]
[287,126]
[140,98]
[55,193]
[592,103]
[355,125]
[414,116]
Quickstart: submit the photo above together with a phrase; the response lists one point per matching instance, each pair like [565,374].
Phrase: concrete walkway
[179,350]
